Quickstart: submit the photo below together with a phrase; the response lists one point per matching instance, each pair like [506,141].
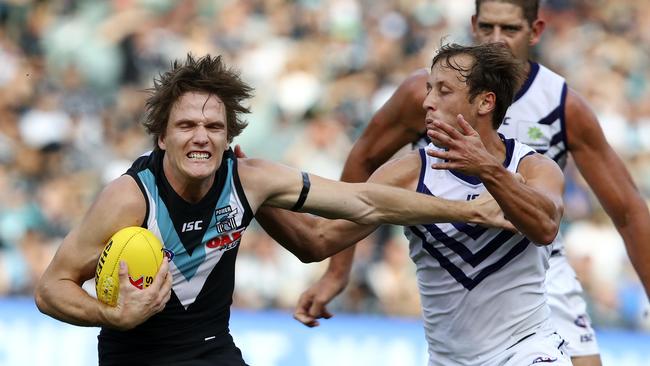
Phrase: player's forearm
[530,211]
[387,205]
[358,168]
[68,302]
[633,225]
[294,231]
[340,264]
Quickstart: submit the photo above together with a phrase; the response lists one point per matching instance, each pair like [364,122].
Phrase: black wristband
[306,184]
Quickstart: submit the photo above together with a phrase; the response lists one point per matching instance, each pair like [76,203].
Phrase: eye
[511,29]
[185,125]
[485,28]
[215,126]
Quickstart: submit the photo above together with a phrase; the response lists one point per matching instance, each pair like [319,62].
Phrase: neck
[526,66]
[190,190]
[492,141]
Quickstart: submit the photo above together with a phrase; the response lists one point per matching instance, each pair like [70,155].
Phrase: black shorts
[208,353]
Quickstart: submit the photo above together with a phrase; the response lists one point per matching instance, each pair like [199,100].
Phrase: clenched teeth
[198,155]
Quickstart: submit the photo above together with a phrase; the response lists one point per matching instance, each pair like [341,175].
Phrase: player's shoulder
[121,203]
[401,171]
[253,165]
[544,68]
[538,163]
[410,158]
[576,102]
[415,83]
[123,193]
[580,119]
[261,174]
[418,76]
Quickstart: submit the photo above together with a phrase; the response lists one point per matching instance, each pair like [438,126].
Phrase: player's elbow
[315,255]
[546,232]
[320,248]
[545,240]
[311,256]
[548,226]
[41,298]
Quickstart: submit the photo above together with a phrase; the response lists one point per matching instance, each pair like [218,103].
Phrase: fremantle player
[546,115]
[482,290]
[198,199]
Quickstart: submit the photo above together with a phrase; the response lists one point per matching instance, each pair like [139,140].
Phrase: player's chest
[529,131]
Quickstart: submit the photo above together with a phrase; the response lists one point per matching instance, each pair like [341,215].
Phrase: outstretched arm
[325,237]
[611,182]
[399,122]
[534,208]
[363,203]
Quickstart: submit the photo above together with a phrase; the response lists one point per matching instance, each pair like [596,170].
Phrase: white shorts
[568,308]
[539,345]
[543,348]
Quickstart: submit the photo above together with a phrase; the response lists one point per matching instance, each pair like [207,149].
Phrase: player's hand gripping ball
[143,254]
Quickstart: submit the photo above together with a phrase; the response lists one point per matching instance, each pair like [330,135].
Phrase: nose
[200,135]
[497,36]
[429,102]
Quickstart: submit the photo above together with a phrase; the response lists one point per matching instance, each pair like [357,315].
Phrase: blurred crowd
[73,76]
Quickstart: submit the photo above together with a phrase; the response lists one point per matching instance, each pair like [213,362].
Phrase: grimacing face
[448,95]
[195,138]
[502,22]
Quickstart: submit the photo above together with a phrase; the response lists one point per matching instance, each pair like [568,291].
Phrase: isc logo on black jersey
[192,225]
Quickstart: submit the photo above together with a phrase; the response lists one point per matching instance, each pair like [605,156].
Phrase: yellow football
[143,254]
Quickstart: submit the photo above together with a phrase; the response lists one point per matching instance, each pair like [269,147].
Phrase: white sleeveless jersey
[482,289]
[536,118]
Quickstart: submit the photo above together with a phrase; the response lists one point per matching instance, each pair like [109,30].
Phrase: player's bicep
[271,184]
[280,186]
[119,205]
[545,176]
[593,156]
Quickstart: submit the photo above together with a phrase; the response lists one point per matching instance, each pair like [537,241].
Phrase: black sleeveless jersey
[201,242]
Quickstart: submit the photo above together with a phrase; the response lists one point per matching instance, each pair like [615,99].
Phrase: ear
[536,32]
[161,142]
[474,26]
[486,103]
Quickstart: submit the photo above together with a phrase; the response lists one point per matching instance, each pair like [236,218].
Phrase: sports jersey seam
[534,70]
[239,189]
[423,159]
[144,194]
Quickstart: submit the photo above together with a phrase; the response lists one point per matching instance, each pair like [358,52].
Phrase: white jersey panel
[536,117]
[482,289]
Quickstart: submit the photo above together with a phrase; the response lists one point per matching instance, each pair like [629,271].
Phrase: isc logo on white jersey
[191,226]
